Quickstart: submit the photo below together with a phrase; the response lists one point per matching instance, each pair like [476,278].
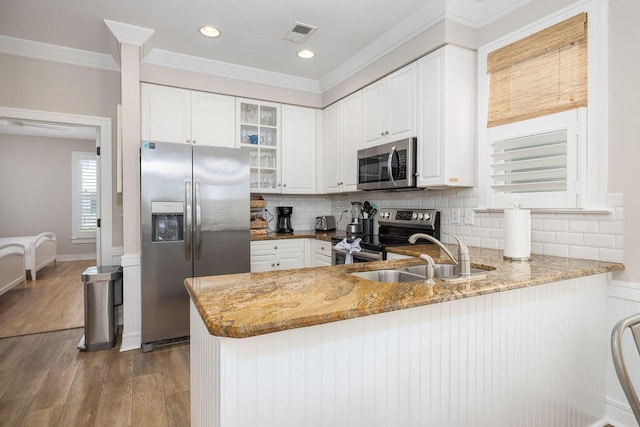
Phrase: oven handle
[390,166]
[366,255]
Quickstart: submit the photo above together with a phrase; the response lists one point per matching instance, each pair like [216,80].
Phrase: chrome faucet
[463,261]
[430,272]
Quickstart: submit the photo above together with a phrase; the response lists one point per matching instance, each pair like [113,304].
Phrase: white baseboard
[130,342]
[602,423]
[75,257]
[619,414]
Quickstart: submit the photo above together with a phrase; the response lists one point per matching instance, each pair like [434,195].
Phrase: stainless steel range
[395,227]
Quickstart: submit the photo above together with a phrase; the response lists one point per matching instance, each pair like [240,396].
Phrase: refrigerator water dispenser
[167,220]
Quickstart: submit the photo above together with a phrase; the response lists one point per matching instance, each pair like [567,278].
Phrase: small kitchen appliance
[325,223]
[284,219]
[388,166]
[355,227]
[395,227]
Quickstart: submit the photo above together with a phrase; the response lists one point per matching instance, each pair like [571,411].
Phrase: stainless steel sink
[446,272]
[390,276]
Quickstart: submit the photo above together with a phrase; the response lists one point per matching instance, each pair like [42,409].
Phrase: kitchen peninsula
[319,346]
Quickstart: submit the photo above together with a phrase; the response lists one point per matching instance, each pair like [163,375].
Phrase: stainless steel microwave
[388,166]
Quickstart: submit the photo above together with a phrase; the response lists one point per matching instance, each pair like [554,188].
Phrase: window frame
[592,146]
[77,157]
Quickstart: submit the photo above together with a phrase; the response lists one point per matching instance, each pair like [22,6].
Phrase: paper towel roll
[517,234]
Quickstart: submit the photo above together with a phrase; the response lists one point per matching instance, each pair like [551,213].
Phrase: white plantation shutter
[537,159]
[84,198]
[531,163]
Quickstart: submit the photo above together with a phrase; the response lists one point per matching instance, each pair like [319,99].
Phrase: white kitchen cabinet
[321,253]
[259,133]
[342,139]
[270,255]
[446,118]
[389,107]
[181,116]
[298,152]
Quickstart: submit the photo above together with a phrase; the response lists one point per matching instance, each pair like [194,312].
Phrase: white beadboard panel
[527,357]
[132,318]
[204,374]
[623,301]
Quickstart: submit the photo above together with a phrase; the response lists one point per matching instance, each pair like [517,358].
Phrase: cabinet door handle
[381,133]
[284,185]
[279,184]
[275,247]
[278,264]
[386,132]
[188,141]
[273,265]
[194,141]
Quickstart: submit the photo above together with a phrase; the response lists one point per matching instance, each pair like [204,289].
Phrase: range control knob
[387,214]
[414,216]
[420,216]
[427,217]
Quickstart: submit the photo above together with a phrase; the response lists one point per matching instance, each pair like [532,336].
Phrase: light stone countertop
[249,304]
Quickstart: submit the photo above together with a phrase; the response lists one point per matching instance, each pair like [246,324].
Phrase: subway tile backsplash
[575,235]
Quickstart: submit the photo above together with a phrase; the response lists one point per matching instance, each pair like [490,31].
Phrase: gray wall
[51,86]
[35,188]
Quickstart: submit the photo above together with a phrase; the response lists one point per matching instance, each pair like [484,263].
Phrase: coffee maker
[284,219]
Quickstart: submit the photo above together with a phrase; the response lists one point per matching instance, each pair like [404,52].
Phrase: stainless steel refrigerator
[194,222]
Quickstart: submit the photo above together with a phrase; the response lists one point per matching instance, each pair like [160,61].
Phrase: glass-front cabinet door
[259,133]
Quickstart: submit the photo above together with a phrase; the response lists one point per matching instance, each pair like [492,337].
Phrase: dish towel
[351,247]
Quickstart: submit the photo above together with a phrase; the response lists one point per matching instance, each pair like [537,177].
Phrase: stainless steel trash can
[102,293]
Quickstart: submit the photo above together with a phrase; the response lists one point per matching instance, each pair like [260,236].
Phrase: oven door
[387,166]
[339,256]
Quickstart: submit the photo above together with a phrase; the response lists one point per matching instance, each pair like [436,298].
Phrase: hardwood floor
[46,381]
[53,302]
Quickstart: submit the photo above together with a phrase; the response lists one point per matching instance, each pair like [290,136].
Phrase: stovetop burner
[395,227]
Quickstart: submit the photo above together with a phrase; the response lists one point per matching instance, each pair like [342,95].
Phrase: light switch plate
[468,216]
[455,216]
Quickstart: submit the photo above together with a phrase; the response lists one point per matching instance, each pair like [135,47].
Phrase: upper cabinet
[389,107]
[184,116]
[259,133]
[342,139]
[446,118]
[299,150]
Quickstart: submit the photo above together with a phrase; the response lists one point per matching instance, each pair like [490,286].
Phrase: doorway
[56,296]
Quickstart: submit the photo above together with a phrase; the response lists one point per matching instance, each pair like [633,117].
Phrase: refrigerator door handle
[187,221]
[198,221]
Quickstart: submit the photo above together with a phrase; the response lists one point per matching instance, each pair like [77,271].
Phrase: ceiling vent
[299,32]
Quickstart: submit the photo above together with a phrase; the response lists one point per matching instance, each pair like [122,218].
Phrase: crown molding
[120,33]
[425,18]
[51,52]
[165,58]
[472,13]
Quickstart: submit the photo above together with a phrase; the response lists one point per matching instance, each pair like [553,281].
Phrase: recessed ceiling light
[306,54]
[209,31]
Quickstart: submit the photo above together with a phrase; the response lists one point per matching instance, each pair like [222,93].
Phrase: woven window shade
[542,74]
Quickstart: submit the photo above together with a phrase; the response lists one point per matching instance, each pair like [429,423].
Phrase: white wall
[589,236]
[35,188]
[305,210]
